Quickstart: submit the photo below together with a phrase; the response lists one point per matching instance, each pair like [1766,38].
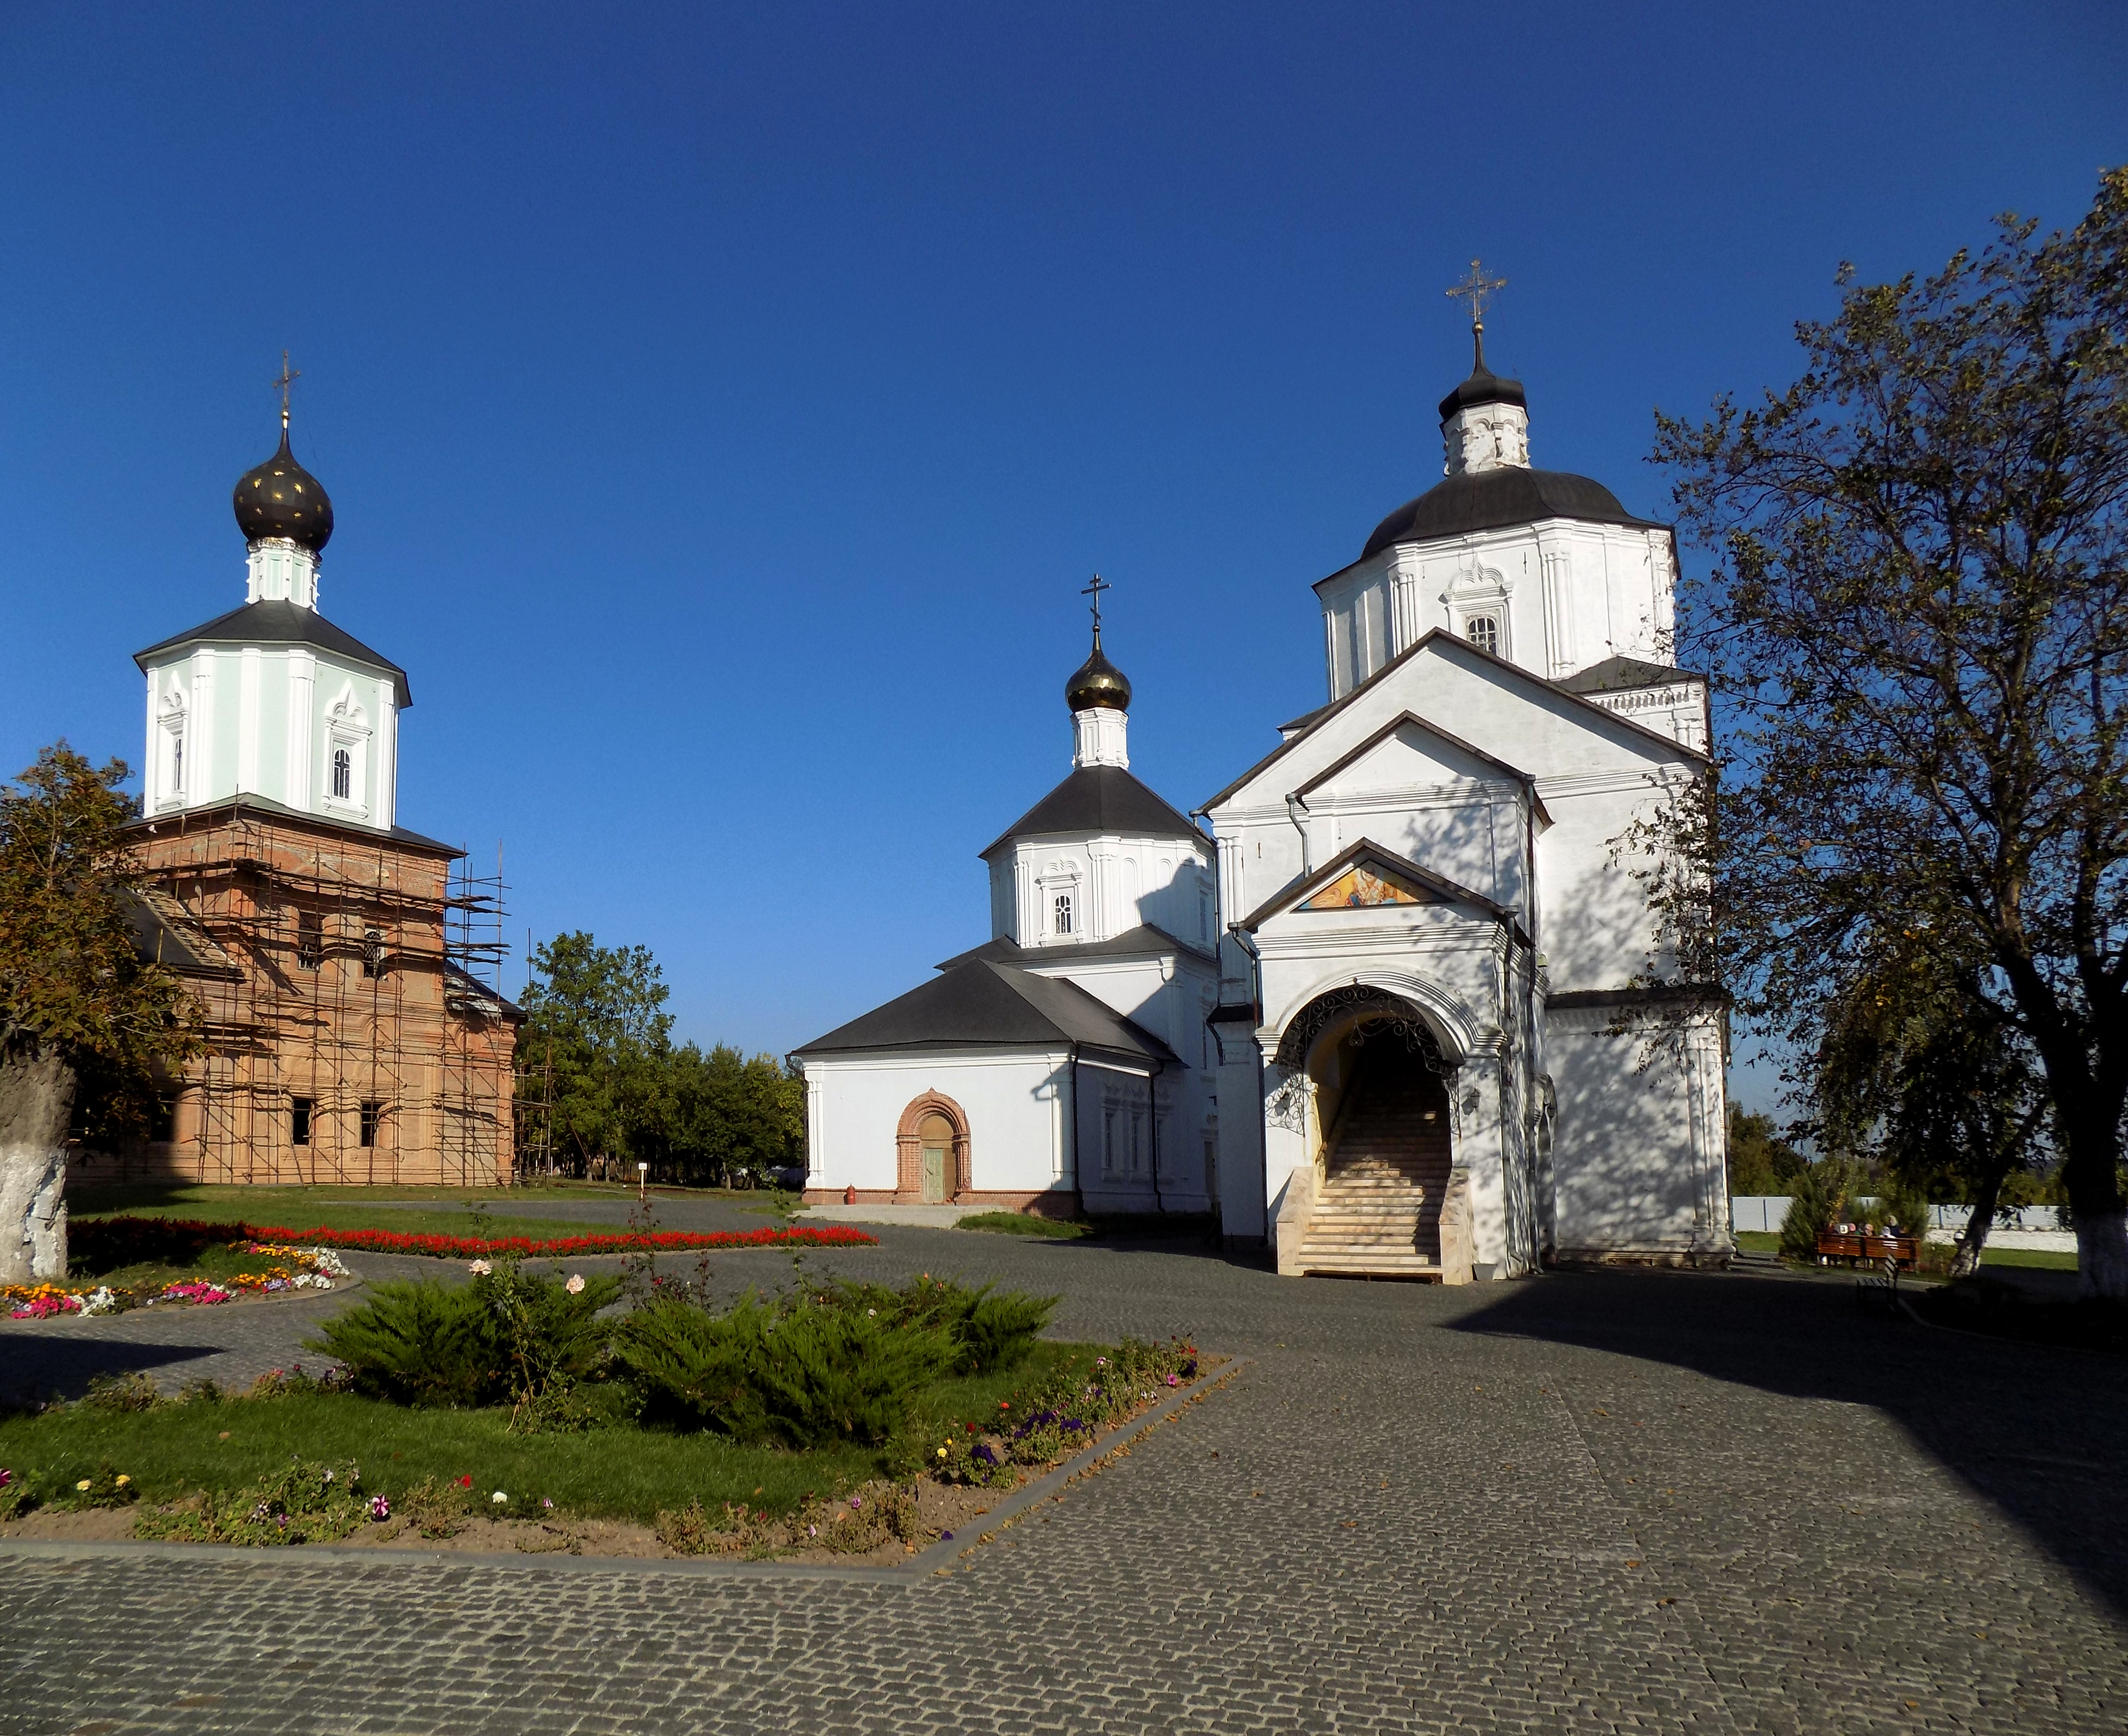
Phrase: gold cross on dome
[1094,590]
[1475,289]
[289,375]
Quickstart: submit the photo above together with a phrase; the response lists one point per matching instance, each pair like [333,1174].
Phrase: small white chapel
[1388,1018]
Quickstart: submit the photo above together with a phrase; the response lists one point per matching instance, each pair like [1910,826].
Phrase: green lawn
[1024,1223]
[1760,1241]
[175,1448]
[307,1214]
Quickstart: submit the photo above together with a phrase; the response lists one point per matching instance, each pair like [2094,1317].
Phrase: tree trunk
[2091,1178]
[36,1102]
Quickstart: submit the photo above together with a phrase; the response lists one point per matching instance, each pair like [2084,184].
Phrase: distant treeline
[597,1047]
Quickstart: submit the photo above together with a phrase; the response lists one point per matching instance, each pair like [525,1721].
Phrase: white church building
[1385,1018]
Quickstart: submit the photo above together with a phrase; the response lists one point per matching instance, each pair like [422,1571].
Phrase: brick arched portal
[909,1150]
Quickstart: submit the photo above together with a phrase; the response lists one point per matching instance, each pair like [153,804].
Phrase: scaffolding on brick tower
[476,1127]
[353,1031]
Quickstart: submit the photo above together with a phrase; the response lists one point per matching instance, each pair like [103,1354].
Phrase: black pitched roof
[1490,500]
[1101,798]
[1144,940]
[1615,675]
[983,1004]
[282,623]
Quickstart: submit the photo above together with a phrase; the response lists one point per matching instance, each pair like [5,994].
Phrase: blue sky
[723,406]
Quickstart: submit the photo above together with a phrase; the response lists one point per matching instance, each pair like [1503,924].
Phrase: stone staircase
[1377,1210]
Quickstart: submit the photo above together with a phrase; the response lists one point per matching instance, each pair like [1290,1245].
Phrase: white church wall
[1629,1174]
[1018,1106]
[1114,881]
[265,720]
[1565,593]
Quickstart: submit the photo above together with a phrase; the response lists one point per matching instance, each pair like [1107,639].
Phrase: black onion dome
[1493,500]
[280,498]
[1098,682]
[1483,387]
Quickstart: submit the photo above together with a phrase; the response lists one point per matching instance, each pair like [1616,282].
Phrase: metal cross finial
[1094,590]
[289,375]
[1473,289]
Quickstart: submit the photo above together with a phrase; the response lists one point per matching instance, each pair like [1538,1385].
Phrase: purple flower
[982,1452]
[945,1537]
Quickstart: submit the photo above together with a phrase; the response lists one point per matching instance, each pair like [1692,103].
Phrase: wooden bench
[1853,1248]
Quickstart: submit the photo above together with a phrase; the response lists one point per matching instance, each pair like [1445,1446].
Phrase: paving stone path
[1598,1502]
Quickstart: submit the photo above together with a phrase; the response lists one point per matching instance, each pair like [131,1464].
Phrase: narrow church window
[372,953]
[1484,631]
[343,775]
[1063,912]
[177,766]
[299,1122]
[1108,1142]
[309,939]
[370,1114]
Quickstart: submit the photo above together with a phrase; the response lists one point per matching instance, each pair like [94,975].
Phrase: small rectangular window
[373,952]
[309,939]
[299,1122]
[1062,908]
[1484,631]
[163,1120]
[370,1112]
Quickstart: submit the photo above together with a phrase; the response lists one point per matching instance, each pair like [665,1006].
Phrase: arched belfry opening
[1378,1127]
[931,1154]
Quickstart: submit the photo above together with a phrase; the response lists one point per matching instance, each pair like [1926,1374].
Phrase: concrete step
[1371,1265]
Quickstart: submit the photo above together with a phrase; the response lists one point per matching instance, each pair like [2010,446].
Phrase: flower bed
[300,1269]
[111,1241]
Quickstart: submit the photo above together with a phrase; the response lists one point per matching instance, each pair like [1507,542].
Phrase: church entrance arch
[931,1151]
[1380,1130]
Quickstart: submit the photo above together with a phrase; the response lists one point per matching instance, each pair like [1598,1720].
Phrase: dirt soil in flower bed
[940,1508]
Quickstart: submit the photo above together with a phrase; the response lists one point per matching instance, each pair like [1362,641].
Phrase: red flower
[465,1483]
[105,1235]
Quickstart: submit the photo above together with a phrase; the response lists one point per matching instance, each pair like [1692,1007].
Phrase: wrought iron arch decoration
[1380,1014]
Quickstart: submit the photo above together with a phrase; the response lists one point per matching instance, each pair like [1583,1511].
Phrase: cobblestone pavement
[1615,1502]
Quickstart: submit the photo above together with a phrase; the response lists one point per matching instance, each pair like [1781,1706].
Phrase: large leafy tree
[1917,1070]
[1918,626]
[595,1016]
[76,998]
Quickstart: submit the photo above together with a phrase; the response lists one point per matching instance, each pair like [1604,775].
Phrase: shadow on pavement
[35,1367]
[2041,1433]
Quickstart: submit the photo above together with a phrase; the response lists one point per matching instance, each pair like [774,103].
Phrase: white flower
[499,1498]
[575,1286]
[480,1268]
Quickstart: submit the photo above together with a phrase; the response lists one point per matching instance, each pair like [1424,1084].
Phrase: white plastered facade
[296,724]
[1582,1127]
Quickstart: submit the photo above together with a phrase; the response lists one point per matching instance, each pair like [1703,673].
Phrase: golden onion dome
[1098,682]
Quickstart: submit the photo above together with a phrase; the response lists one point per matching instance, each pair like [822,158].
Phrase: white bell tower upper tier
[271,699]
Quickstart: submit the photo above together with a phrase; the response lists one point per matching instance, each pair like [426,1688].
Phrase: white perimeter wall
[1017,1105]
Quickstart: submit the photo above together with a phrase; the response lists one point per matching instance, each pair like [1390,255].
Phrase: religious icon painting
[1366,884]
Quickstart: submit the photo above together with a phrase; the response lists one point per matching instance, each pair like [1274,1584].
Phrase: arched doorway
[1379,1133]
[931,1155]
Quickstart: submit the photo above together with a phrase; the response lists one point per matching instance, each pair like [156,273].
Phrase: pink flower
[480,1268]
[575,1286]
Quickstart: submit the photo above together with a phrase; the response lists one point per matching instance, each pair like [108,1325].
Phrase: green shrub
[1815,1197]
[504,1338]
[991,1333]
[122,1392]
[816,1369]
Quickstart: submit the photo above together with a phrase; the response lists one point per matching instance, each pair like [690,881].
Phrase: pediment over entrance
[1364,884]
[1368,877]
